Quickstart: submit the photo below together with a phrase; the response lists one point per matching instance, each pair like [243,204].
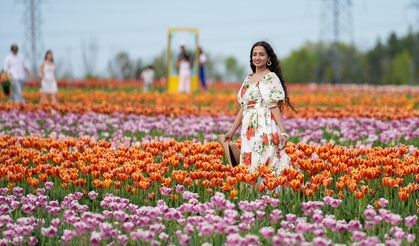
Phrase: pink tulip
[180,188]
[354,225]
[251,240]
[303,227]
[49,185]
[275,215]
[77,195]
[55,222]
[260,215]
[369,213]
[410,238]
[383,202]
[358,235]
[267,232]
[92,195]
[49,231]
[95,238]
[233,239]
[122,239]
[291,217]
[3,191]
[183,239]
[319,241]
[128,226]
[32,240]
[165,191]
[68,235]
[410,221]
[164,237]
[189,228]
[40,191]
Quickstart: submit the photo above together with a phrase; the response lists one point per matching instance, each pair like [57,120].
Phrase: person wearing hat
[16,67]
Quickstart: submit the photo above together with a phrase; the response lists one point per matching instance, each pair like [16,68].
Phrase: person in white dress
[184,65]
[49,86]
[261,97]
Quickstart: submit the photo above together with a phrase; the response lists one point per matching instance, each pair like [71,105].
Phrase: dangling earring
[269,63]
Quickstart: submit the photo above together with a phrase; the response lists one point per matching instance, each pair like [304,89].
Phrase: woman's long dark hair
[274,67]
[46,55]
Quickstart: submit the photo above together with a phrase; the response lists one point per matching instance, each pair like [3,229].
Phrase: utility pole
[336,26]
[415,58]
[32,21]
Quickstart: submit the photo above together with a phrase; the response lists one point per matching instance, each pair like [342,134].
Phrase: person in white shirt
[147,76]
[48,82]
[16,67]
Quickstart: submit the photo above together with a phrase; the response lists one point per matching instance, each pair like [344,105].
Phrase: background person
[147,75]
[48,81]
[202,61]
[184,64]
[15,66]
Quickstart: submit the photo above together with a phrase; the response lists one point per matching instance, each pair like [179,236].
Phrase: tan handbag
[231,151]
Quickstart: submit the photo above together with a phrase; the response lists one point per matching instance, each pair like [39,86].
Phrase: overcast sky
[227,27]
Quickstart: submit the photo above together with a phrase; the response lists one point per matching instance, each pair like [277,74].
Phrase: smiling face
[259,57]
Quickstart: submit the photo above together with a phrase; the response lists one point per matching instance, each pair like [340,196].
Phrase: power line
[336,25]
[415,60]
[32,22]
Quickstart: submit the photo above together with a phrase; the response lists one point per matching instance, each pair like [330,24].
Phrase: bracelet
[284,134]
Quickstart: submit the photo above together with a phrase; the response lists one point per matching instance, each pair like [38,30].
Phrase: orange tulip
[359,195]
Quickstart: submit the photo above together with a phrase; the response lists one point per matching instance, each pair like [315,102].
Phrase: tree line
[393,61]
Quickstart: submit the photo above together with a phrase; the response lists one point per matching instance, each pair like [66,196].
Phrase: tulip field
[111,165]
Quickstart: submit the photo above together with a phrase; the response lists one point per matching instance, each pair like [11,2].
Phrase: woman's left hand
[283,141]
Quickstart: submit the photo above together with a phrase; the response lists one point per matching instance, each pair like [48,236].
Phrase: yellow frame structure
[173,79]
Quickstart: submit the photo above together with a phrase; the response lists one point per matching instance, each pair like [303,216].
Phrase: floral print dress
[259,131]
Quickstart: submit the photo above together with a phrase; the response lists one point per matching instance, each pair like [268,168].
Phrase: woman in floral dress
[261,97]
